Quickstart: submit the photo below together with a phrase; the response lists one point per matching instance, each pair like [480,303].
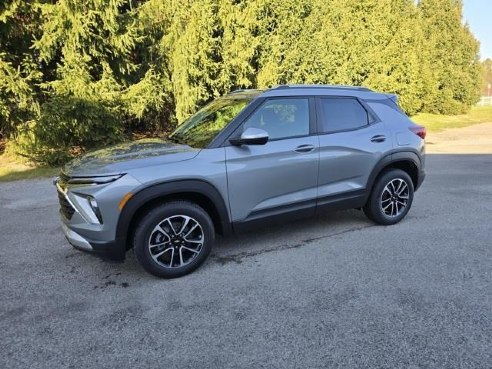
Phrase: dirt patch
[475,139]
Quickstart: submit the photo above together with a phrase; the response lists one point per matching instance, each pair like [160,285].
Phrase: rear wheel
[391,197]
[174,239]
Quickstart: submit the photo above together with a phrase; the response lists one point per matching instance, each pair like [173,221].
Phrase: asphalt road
[334,292]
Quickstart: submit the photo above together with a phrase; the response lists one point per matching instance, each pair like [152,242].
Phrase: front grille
[65,208]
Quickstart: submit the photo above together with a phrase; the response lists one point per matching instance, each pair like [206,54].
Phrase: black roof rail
[239,90]
[336,87]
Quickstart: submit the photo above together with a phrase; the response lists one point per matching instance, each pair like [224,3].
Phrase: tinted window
[388,110]
[341,114]
[281,118]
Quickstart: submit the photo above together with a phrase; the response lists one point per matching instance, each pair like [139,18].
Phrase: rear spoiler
[394,99]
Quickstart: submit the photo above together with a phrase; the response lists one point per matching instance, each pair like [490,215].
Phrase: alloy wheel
[176,241]
[394,198]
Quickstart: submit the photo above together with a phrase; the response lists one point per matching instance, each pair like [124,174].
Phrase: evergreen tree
[77,74]
[19,71]
[453,53]
[487,77]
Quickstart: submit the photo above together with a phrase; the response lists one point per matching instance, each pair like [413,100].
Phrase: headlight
[88,208]
[94,180]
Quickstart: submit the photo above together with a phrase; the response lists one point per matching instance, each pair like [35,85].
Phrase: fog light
[88,208]
[95,208]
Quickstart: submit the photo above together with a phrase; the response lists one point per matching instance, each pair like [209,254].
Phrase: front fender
[159,190]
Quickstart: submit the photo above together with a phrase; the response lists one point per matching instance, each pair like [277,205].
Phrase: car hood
[127,156]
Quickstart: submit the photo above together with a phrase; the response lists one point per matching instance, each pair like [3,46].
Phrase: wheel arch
[200,192]
[408,161]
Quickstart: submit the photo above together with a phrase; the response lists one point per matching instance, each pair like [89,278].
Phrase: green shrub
[67,126]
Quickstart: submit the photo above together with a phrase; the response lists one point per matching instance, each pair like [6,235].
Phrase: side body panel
[347,159]
[398,125]
[266,179]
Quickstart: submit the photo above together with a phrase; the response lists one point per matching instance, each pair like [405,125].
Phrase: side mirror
[251,136]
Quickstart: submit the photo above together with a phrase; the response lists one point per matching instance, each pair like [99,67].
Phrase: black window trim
[372,117]
[236,125]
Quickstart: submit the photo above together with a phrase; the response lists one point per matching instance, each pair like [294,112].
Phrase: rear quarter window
[388,113]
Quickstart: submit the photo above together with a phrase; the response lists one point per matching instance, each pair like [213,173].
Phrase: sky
[478,15]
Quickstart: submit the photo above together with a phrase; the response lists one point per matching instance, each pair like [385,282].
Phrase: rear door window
[341,114]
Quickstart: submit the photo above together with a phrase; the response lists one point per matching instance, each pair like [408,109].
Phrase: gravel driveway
[333,292]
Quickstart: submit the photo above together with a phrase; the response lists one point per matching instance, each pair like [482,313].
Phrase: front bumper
[76,240]
[96,235]
[110,250]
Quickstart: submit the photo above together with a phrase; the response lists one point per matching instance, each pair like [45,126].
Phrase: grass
[12,169]
[436,122]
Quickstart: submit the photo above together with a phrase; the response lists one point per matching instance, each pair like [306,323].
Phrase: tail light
[419,131]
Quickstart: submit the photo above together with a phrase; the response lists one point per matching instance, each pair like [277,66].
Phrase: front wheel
[174,239]
[391,197]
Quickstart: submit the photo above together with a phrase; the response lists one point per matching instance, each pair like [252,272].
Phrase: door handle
[304,148]
[378,138]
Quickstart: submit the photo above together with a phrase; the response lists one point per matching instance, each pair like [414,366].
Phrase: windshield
[201,128]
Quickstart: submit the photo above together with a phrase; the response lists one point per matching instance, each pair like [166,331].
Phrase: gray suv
[245,159]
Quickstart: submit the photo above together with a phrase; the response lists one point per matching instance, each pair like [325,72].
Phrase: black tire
[147,234]
[380,207]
